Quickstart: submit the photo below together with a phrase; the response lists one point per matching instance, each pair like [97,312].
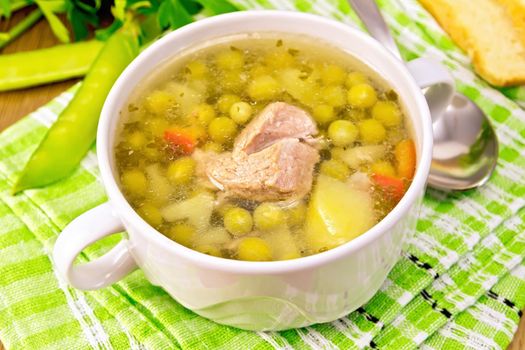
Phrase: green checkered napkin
[459,285]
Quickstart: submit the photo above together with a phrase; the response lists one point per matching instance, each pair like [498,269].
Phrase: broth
[263,147]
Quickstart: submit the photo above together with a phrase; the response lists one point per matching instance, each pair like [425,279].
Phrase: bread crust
[472,25]
[516,11]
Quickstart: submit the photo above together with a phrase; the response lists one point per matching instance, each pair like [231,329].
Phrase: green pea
[211,146]
[209,250]
[182,233]
[151,153]
[254,249]
[230,60]
[232,80]
[279,59]
[134,181]
[204,113]
[336,169]
[362,96]
[264,87]
[197,69]
[151,214]
[332,74]
[222,129]
[296,215]
[323,114]
[334,95]
[240,112]
[158,102]
[356,114]
[238,221]
[225,102]
[387,112]
[157,126]
[268,216]
[371,131]
[337,153]
[181,171]
[342,132]
[137,140]
[355,78]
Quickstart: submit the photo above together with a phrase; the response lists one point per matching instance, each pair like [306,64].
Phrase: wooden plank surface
[519,338]
[16,104]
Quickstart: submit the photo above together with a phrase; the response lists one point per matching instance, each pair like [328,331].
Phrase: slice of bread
[485,29]
[516,11]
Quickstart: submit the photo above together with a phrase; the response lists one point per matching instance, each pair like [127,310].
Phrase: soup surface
[263,147]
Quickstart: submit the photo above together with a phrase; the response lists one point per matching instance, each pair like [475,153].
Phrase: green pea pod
[71,136]
[57,63]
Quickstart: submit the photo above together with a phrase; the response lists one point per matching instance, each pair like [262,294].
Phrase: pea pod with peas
[61,62]
[69,139]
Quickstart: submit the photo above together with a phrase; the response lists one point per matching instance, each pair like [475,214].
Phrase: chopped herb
[132,108]
[391,95]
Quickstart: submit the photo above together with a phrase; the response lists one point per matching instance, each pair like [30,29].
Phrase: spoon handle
[368,12]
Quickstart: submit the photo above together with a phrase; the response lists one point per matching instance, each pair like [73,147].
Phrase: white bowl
[251,295]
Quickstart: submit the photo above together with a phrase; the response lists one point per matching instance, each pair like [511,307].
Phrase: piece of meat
[269,160]
[281,171]
[276,121]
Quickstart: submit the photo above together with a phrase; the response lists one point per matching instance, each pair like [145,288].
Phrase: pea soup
[264,147]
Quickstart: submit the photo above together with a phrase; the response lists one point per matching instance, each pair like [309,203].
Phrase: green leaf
[55,6]
[173,15]
[217,7]
[81,16]
[49,8]
[119,10]
[149,29]
[193,7]
[5,6]
[19,28]
[105,33]
[79,23]
[143,5]
[139,5]
[83,6]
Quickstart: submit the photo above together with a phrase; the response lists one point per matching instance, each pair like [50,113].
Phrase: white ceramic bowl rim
[125,211]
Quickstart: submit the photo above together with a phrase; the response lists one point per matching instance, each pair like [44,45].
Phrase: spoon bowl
[465,147]
[465,150]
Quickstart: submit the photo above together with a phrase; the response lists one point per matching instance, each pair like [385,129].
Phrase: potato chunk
[197,210]
[282,244]
[355,157]
[185,97]
[337,214]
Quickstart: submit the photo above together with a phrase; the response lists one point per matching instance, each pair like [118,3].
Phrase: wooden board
[15,105]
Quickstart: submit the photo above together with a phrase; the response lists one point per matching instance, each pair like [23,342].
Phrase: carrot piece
[179,140]
[405,154]
[197,132]
[391,185]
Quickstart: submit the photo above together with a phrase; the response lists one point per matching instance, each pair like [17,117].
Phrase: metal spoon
[465,145]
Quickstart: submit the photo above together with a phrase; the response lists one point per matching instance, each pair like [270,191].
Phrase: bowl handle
[86,229]
[439,84]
